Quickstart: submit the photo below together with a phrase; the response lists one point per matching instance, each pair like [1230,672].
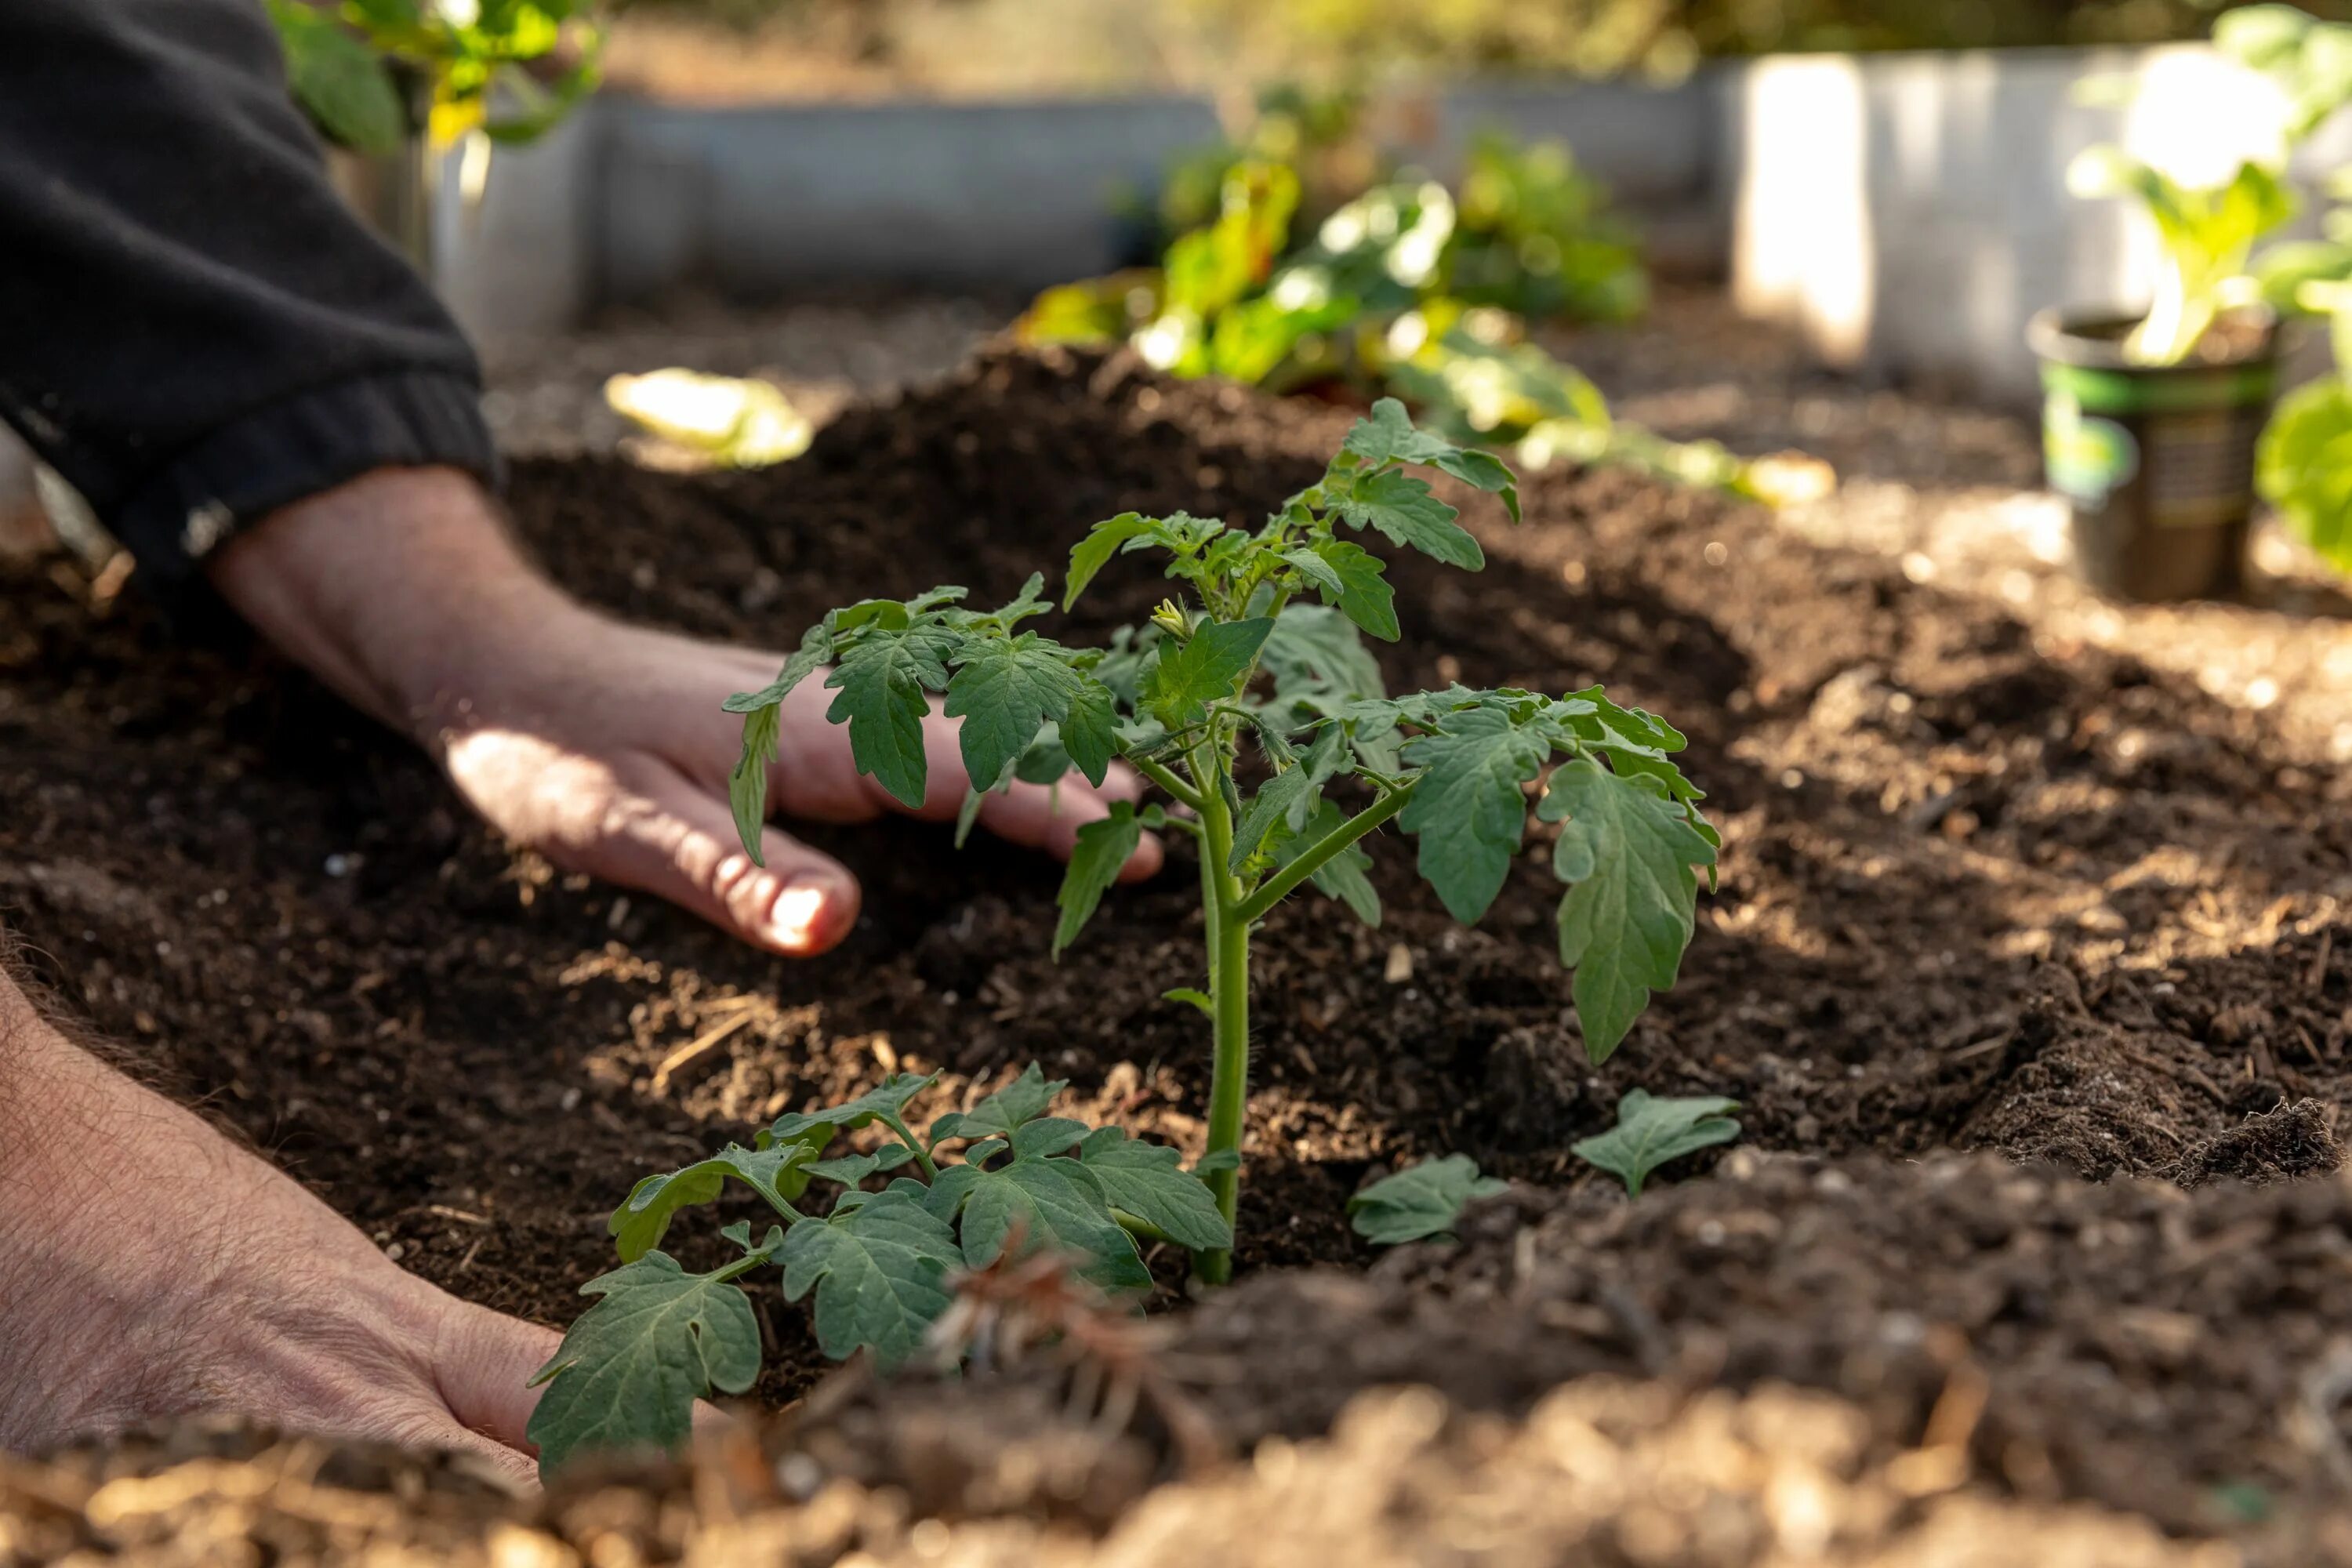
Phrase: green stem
[1276,888]
[1176,789]
[1228,936]
[931,1171]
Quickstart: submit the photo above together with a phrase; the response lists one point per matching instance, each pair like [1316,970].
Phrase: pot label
[2087,458]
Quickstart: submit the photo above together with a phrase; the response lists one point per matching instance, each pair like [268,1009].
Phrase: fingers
[674,839]
[1048,816]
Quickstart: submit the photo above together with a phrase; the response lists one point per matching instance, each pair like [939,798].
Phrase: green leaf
[774,1172]
[881,682]
[1467,809]
[1006,689]
[1089,729]
[1102,847]
[851,1169]
[1401,507]
[1627,853]
[1320,665]
[1021,1101]
[1650,1131]
[880,1273]
[887,1100]
[817,647]
[2303,467]
[1148,1181]
[1289,796]
[1192,997]
[1386,434]
[1207,667]
[1421,1202]
[1101,543]
[747,786]
[629,1371]
[1345,876]
[1354,579]
[1055,1204]
[340,80]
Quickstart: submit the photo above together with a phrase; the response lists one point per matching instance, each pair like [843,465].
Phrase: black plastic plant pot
[2158,460]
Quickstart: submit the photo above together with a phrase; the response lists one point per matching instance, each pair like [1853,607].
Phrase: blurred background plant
[1065,46]
[1321,267]
[373,73]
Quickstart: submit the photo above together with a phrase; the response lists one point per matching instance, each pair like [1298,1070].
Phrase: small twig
[695,1049]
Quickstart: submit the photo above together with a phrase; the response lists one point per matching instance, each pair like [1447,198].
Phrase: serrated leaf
[817,647]
[815,1128]
[1386,434]
[1288,797]
[1345,876]
[1148,1181]
[1652,1129]
[1353,579]
[631,1367]
[880,1273]
[775,1172]
[1101,543]
[882,682]
[1402,508]
[1102,847]
[1007,691]
[1023,1101]
[851,1169]
[1319,664]
[1207,667]
[1054,1203]
[1421,1202]
[1627,853]
[1193,997]
[747,786]
[1467,809]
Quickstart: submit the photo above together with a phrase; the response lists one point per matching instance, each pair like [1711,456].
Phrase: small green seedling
[879,1262]
[1419,1202]
[2205,236]
[1650,1131]
[1251,710]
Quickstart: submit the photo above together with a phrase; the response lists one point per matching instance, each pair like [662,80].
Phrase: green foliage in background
[1402,287]
[508,68]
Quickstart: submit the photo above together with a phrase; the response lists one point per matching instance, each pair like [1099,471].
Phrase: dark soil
[1983,888]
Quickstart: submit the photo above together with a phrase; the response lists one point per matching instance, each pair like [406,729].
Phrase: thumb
[482,1366]
[677,841]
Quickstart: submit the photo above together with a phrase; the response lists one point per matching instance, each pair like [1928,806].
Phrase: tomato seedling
[1252,665]
[879,1264]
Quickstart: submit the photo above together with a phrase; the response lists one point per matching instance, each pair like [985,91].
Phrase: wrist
[389,588]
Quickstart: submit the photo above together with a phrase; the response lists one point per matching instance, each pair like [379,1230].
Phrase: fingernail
[798,908]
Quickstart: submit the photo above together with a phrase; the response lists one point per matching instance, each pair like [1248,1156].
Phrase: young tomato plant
[878,1263]
[1249,664]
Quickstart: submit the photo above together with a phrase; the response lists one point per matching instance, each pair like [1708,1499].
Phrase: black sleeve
[193,328]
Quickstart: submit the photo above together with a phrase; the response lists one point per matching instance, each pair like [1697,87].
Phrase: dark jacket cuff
[292,449]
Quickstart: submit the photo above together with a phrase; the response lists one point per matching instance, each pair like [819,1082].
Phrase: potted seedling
[396,85]
[2149,420]
[1251,705]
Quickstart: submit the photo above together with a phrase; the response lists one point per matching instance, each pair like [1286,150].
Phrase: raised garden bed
[1982,890]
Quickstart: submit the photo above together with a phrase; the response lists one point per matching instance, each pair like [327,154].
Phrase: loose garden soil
[2028,957]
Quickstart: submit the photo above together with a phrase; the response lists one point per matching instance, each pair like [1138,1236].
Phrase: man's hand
[153,1270]
[599,744]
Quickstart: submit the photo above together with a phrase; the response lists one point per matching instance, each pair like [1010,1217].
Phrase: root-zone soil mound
[1981,890]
